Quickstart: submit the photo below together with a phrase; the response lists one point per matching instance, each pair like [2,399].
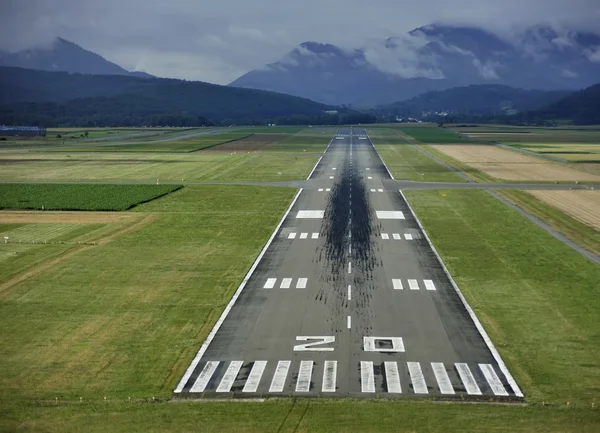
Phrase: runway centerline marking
[349,267]
[349,322]
[349,292]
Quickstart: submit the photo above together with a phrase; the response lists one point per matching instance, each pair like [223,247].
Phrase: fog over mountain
[433,57]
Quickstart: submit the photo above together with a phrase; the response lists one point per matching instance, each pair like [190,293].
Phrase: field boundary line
[511,381]
[379,156]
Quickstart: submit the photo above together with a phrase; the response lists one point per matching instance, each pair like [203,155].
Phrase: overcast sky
[217,41]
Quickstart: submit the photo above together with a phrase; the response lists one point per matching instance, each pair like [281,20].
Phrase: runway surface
[348,299]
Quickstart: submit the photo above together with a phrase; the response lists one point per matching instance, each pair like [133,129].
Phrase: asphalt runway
[348,299]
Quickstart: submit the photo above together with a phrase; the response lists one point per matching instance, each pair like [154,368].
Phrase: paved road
[348,299]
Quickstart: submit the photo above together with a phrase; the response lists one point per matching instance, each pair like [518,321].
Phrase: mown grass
[537,298]
[257,166]
[433,134]
[406,161]
[79,197]
[124,319]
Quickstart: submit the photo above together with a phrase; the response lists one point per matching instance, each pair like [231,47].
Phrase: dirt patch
[512,165]
[248,144]
[20,217]
[584,206]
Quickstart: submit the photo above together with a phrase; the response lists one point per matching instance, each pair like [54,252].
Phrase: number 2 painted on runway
[310,346]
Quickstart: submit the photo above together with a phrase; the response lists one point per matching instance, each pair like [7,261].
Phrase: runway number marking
[383,344]
[309,347]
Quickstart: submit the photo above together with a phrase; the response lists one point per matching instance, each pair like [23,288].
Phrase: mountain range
[433,57]
[63,55]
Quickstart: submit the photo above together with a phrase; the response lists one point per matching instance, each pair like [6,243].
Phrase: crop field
[250,143]
[584,206]
[431,134]
[508,165]
[405,161]
[79,197]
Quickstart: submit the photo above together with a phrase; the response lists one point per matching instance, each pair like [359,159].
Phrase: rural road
[348,299]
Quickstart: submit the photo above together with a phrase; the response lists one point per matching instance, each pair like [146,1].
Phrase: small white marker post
[5,239]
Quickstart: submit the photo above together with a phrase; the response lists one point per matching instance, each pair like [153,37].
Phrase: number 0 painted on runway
[310,346]
[392,344]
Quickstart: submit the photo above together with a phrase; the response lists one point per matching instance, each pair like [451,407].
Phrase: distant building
[22,131]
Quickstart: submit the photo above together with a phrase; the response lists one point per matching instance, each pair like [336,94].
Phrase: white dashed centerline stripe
[492,379]
[467,378]
[304,375]
[417,378]
[204,376]
[413,284]
[349,292]
[270,283]
[329,376]
[301,284]
[349,267]
[254,377]
[292,236]
[441,375]
[278,382]
[229,376]
[397,284]
[429,285]
[349,322]
[392,377]
[303,235]
[285,283]
[367,377]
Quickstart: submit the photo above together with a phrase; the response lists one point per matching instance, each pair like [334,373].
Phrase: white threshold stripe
[370,178]
[467,378]
[384,236]
[278,382]
[320,189]
[429,285]
[417,378]
[372,189]
[301,284]
[330,177]
[367,377]
[315,236]
[408,236]
[397,284]
[327,189]
[234,298]
[379,189]
[303,235]
[304,375]
[397,236]
[270,283]
[389,215]
[254,377]
[310,214]
[441,375]
[509,378]
[285,283]
[329,376]
[292,236]
[413,284]
[204,376]
[229,376]
[492,379]
[392,377]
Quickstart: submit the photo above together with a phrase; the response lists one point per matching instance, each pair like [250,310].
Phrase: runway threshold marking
[204,376]
[304,375]
[467,378]
[493,379]
[278,382]
[314,214]
[417,378]
[392,377]
[441,375]
[367,376]
[397,284]
[230,375]
[329,376]
[389,215]
[254,377]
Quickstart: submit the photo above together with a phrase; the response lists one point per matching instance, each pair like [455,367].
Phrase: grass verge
[537,298]
[79,197]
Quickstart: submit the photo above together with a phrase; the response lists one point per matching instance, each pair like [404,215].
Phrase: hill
[59,98]
[433,57]
[580,108]
[474,99]
[63,55]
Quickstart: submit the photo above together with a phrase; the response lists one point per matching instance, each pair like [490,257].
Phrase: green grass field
[432,134]
[79,197]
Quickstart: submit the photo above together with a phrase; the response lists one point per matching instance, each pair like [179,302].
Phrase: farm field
[128,321]
[584,206]
[79,197]
[513,166]
[405,161]
[431,134]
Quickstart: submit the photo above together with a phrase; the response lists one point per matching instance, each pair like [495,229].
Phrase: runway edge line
[511,381]
[237,293]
